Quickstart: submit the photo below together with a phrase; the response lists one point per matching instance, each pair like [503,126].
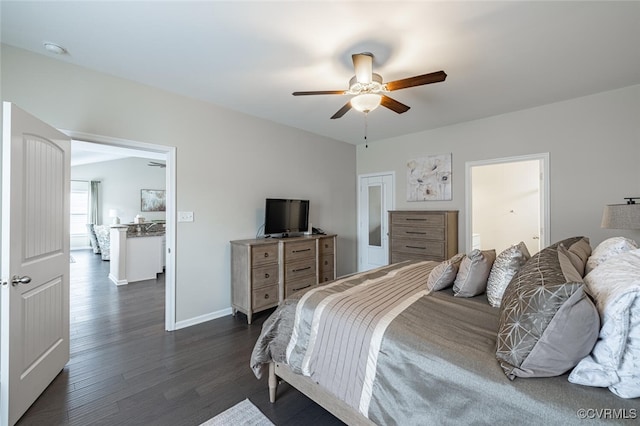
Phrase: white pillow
[607,249]
[614,361]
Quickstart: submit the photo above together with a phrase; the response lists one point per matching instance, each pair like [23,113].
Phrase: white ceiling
[89,153]
[250,56]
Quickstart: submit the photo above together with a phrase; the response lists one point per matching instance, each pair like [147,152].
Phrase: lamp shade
[366,103]
[114,214]
[621,216]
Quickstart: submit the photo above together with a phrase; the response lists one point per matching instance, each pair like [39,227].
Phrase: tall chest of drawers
[266,271]
[422,234]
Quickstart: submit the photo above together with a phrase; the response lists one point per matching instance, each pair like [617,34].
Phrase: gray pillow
[578,253]
[547,322]
[473,273]
[443,275]
[504,268]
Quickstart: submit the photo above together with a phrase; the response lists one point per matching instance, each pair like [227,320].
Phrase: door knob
[15,280]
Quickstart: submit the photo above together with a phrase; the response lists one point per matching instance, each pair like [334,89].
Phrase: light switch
[185,216]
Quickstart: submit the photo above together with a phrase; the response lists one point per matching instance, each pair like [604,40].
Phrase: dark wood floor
[126,370]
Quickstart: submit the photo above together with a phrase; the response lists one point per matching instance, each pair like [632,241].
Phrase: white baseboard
[203,318]
[117,281]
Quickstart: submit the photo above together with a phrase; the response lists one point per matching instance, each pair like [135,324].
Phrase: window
[79,208]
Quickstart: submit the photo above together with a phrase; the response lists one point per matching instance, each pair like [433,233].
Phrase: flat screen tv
[284,216]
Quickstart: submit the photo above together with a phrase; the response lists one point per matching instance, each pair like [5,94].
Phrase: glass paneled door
[375,200]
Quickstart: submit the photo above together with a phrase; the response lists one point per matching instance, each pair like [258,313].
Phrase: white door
[34,319]
[375,201]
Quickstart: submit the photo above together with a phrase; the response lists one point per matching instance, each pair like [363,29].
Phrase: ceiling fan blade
[394,105]
[419,80]
[320,92]
[363,66]
[342,111]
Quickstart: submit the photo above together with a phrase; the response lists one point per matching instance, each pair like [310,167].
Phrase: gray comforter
[434,362]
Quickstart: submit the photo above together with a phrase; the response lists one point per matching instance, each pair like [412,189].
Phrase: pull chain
[366,128]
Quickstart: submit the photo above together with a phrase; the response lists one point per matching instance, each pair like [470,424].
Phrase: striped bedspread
[339,328]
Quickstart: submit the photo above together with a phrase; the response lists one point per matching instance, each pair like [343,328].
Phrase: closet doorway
[507,202]
[375,199]
[168,153]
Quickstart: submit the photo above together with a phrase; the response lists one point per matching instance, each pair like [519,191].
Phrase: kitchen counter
[137,252]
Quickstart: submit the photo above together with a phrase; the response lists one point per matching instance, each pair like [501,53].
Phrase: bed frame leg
[273,382]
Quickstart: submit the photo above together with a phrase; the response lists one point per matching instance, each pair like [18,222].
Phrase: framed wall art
[152,200]
[429,178]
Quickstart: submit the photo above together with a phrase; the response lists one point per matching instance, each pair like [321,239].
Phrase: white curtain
[94,202]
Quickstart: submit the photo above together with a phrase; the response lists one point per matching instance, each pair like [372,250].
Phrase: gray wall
[227,164]
[121,182]
[594,153]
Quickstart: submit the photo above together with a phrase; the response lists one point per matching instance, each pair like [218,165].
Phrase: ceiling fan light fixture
[366,102]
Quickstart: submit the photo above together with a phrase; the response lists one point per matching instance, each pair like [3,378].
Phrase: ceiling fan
[156,164]
[369,89]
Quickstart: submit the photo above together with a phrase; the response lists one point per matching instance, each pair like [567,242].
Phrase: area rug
[243,413]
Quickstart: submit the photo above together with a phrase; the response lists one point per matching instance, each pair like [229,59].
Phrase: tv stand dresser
[265,271]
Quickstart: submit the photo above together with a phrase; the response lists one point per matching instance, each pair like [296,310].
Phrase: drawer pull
[266,275]
[297,289]
[266,296]
[326,262]
[301,269]
[416,247]
[266,255]
[300,251]
[422,219]
[415,232]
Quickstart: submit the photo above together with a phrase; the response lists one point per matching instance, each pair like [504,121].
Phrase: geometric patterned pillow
[547,322]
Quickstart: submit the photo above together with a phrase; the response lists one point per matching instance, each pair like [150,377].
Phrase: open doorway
[507,202]
[156,154]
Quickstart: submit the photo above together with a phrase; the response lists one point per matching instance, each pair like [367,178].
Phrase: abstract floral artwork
[152,200]
[429,178]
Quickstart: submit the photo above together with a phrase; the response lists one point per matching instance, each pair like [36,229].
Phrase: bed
[381,347]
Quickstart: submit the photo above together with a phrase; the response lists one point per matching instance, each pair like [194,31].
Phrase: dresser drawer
[264,254]
[301,268]
[300,284]
[326,276]
[299,250]
[265,297]
[264,275]
[417,219]
[401,257]
[426,233]
[326,264]
[422,248]
[325,247]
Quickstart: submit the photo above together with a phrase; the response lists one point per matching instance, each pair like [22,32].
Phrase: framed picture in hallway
[152,200]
